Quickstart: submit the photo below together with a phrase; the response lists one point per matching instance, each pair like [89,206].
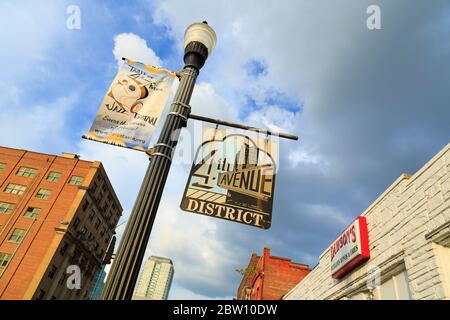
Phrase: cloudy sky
[367,104]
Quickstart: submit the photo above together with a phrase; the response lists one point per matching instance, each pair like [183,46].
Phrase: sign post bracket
[242,126]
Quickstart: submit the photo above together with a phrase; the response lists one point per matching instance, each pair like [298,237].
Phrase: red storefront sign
[350,249]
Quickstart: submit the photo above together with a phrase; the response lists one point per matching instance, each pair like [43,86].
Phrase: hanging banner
[233,178]
[131,109]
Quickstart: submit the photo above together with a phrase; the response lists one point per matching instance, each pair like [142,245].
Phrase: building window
[82,264]
[26,172]
[85,205]
[2,166]
[63,249]
[75,258]
[392,288]
[91,214]
[32,212]
[43,194]
[6,207]
[17,235]
[76,222]
[76,181]
[102,233]
[62,279]
[4,259]
[97,224]
[442,254]
[16,189]
[52,271]
[40,295]
[53,176]
[83,230]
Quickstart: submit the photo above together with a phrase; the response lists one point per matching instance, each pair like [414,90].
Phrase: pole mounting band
[178,103]
[181,110]
[164,145]
[162,155]
[179,115]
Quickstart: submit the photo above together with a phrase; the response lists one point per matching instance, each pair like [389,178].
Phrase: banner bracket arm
[243,126]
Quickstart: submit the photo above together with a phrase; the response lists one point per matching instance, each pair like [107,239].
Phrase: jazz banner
[233,178]
[130,111]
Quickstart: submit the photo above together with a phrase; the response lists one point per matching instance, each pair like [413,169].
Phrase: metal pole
[242,126]
[124,272]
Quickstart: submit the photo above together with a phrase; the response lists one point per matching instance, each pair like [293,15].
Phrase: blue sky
[368,106]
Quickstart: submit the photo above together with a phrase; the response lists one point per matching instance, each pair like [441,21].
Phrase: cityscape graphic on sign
[233,178]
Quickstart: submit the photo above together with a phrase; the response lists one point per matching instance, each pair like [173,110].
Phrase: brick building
[55,211]
[408,229]
[269,278]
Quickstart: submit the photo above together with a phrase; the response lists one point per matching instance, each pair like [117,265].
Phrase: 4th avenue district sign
[233,178]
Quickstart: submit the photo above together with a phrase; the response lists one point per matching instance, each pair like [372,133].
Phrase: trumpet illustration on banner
[128,93]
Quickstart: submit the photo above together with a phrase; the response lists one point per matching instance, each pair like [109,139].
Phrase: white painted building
[408,229]
[156,279]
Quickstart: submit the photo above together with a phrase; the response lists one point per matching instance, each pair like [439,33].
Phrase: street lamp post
[199,41]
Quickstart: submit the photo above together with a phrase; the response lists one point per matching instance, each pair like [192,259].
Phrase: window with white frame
[75,180]
[392,287]
[53,176]
[6,207]
[32,212]
[443,261]
[4,259]
[17,235]
[16,189]
[43,194]
[26,172]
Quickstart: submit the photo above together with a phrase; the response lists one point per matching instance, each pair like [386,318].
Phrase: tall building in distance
[246,157]
[98,285]
[156,279]
[269,277]
[55,212]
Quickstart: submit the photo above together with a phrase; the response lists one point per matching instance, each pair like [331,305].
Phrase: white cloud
[38,122]
[208,102]
[30,126]
[28,32]
[131,46]
[298,156]
[273,118]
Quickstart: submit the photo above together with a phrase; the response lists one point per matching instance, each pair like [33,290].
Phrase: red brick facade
[269,278]
[73,224]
